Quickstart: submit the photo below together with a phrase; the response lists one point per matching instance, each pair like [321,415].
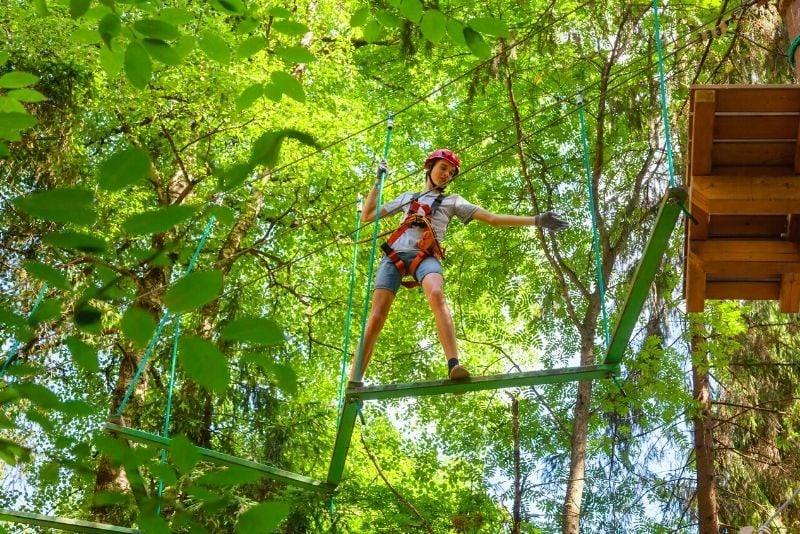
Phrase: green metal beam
[477,383]
[343,436]
[666,220]
[219,458]
[71,525]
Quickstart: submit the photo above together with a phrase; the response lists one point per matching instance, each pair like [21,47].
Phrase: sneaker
[458,372]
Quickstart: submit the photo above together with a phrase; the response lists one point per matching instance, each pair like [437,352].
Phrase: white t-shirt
[452,206]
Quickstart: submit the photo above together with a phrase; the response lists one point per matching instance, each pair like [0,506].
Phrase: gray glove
[383,168]
[551,221]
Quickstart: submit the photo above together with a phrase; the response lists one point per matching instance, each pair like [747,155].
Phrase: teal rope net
[12,353]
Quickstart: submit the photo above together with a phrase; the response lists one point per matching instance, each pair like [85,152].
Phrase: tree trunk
[580,432]
[704,453]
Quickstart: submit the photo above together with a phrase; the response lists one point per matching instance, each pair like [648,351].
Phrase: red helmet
[445,154]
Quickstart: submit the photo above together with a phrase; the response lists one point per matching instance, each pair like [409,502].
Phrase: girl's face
[442,172]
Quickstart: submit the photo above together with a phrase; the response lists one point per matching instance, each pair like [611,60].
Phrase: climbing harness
[428,244]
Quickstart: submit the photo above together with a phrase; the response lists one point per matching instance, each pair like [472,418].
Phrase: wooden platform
[744,192]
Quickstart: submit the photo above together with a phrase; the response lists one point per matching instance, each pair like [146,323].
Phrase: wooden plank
[793,231]
[755,98]
[761,226]
[743,290]
[745,251]
[748,194]
[697,225]
[797,151]
[753,154]
[766,170]
[738,270]
[694,285]
[790,293]
[702,132]
[759,127]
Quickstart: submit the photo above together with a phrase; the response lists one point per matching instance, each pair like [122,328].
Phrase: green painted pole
[666,220]
[344,434]
[479,383]
[59,523]
[273,473]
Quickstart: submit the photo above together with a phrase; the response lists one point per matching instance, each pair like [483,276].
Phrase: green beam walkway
[356,395]
[70,525]
[219,458]
[666,220]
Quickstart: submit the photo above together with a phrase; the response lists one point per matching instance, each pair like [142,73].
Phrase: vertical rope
[663,87]
[164,320]
[365,308]
[598,264]
[12,354]
[346,343]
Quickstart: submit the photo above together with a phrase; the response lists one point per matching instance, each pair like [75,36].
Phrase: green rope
[12,354]
[365,308]
[793,48]
[176,335]
[164,320]
[662,85]
[593,210]
[346,343]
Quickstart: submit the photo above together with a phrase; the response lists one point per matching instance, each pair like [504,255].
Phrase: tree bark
[704,453]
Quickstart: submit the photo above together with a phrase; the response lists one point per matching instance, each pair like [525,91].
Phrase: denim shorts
[388,277]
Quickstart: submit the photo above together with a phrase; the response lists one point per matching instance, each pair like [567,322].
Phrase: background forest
[179,184]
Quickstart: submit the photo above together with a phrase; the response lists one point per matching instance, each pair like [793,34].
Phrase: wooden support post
[695,285]
[703,131]
[790,293]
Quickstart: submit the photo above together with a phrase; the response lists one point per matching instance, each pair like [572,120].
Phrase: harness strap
[429,244]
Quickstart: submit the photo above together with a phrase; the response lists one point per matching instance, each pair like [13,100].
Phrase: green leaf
[17,79]
[4,151]
[48,310]
[17,120]
[27,95]
[288,85]
[387,19]
[138,326]
[64,205]
[249,96]
[109,27]
[38,394]
[184,46]
[161,51]
[157,29]
[111,61]
[78,7]
[456,32]
[138,67]
[272,92]
[185,454]
[176,16]
[251,46]
[295,54]
[193,290]
[434,25]
[234,176]
[88,318]
[10,105]
[412,10]
[231,7]
[41,8]
[76,241]
[232,476]
[279,12]
[157,221]
[263,517]
[290,27]
[124,168]
[253,330]
[224,214]
[10,318]
[285,377]
[490,26]
[77,408]
[359,17]
[85,36]
[247,25]
[45,273]
[204,363]
[476,43]
[266,149]
[215,47]
[163,472]
[372,31]
[83,354]
[4,57]
[12,453]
